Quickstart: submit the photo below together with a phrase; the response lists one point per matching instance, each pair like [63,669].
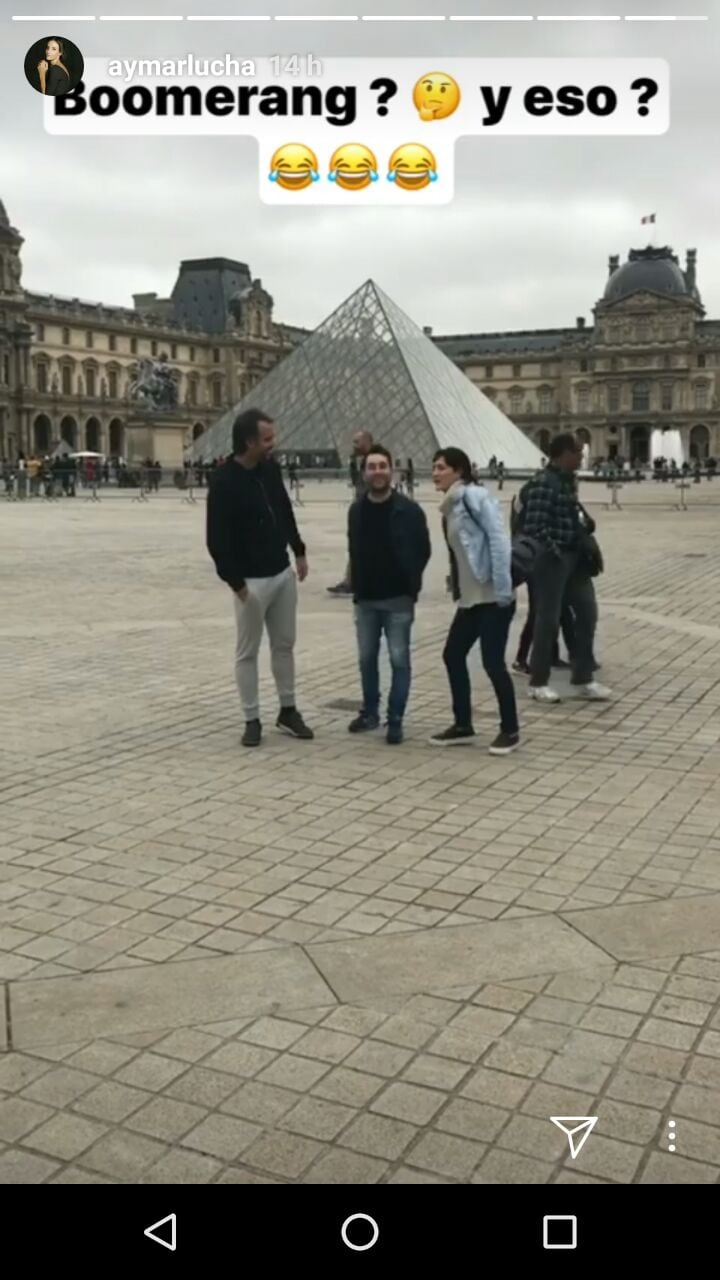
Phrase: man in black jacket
[389,548]
[250,522]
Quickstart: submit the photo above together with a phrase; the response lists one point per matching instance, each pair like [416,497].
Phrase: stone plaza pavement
[339,961]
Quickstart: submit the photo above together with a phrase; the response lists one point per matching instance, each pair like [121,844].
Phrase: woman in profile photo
[54,75]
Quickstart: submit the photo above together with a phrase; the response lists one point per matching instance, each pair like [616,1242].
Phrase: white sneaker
[543,693]
[594,692]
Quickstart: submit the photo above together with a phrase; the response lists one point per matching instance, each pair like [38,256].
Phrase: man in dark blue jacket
[389,548]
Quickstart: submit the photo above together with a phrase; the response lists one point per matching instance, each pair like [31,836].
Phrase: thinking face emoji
[412,166]
[294,166]
[436,96]
[353,167]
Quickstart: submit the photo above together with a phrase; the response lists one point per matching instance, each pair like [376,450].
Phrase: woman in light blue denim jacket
[480,572]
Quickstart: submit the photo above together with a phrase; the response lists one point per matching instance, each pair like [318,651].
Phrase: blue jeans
[394,618]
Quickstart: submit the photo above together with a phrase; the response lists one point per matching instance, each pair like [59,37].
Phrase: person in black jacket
[389,547]
[250,522]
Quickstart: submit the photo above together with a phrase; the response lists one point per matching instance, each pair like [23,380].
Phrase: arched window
[641,397]
[583,399]
[701,398]
[699,442]
[41,375]
[545,399]
[66,379]
[515,396]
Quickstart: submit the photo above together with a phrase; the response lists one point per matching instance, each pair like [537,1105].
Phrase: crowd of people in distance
[62,475]
[551,547]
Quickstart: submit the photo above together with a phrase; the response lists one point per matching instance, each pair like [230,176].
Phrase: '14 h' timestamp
[295,64]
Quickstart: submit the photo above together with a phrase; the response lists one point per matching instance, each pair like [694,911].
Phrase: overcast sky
[524,244]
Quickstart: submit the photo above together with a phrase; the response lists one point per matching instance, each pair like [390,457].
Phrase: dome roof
[650,270]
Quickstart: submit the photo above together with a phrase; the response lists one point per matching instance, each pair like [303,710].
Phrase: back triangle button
[168,1227]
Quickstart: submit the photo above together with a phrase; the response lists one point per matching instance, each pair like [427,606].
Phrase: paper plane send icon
[169,1238]
[577,1129]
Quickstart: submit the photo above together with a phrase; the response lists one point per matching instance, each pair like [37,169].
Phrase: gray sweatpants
[271,603]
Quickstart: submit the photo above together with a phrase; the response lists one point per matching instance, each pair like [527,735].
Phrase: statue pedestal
[156,436]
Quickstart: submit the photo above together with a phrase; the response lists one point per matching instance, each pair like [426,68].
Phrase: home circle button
[360,1232]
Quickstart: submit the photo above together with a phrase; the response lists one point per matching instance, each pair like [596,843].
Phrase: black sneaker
[521,668]
[253,734]
[290,721]
[454,736]
[363,723]
[340,589]
[394,735]
[504,744]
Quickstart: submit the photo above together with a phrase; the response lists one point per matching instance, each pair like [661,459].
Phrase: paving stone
[408,1102]
[328,1046]
[59,1087]
[291,1072]
[150,1071]
[17,1167]
[608,1159]
[263,1103]
[180,994]
[348,1168]
[354,1088]
[628,1086]
[451,1156]
[417,962]
[416,1178]
[166,1118]
[206,1088]
[273,1033]
[112,1101]
[472,1120]
[18,1117]
[123,1155]
[673,1169]
[182,1168]
[222,1136]
[532,1137]
[240,1059]
[436,1072]
[188,1044]
[318,1118]
[646,929]
[285,1154]
[64,1136]
[18,1070]
[378,1059]
[378,1136]
[101,1057]
[672,1035]
[517,1059]
[509,1166]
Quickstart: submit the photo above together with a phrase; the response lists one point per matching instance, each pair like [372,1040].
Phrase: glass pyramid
[368,365]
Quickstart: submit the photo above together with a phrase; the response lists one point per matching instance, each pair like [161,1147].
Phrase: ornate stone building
[68,367]
[649,362]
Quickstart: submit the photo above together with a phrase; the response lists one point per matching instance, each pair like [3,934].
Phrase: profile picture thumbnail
[54,66]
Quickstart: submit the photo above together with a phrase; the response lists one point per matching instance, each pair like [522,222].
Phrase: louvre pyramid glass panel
[368,365]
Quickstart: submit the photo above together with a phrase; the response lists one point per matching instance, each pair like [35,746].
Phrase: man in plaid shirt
[551,514]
